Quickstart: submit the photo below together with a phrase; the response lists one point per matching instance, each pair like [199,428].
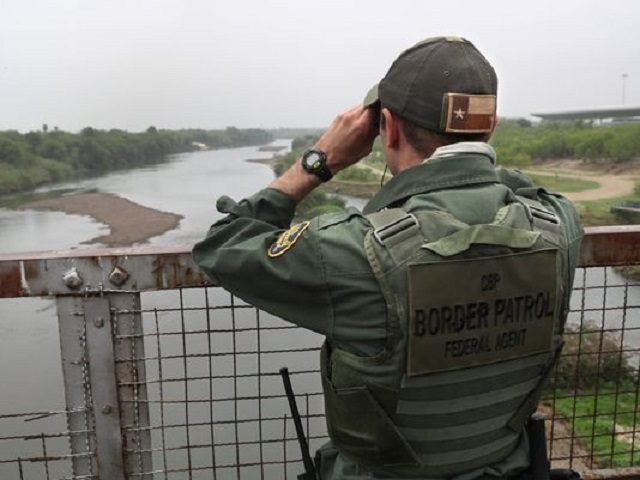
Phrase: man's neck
[408,159]
[411,158]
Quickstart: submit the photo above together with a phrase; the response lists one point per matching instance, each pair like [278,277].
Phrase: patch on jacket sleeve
[287,239]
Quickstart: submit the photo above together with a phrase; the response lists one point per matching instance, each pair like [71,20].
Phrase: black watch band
[315,161]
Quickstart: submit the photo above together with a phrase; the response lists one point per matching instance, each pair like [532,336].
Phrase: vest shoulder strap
[498,235]
[519,224]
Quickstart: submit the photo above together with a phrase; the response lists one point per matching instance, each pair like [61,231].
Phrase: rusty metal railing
[163,376]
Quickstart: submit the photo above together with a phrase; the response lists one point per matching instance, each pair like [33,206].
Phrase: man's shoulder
[349,218]
[514,179]
[521,184]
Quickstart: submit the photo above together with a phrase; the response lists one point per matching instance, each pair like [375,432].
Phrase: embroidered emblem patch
[287,239]
[464,113]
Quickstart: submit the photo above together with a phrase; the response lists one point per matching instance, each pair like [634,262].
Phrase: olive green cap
[372,97]
[443,84]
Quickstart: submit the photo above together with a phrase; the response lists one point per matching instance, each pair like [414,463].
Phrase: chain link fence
[166,377]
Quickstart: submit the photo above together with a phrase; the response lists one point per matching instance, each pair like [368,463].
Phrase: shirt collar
[456,165]
[462,148]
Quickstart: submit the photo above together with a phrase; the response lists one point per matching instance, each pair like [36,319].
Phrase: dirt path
[566,451]
[128,222]
[611,186]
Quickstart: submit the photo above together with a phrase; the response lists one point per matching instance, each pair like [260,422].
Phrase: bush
[592,357]
[317,203]
[283,162]
[618,143]
[357,174]
[304,142]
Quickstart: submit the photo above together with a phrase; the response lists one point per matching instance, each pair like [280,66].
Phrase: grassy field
[595,421]
[598,212]
[559,183]
[592,212]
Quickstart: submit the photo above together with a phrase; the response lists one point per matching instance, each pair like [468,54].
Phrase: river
[187,184]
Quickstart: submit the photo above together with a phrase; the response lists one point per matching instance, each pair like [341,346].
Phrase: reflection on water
[31,373]
[604,300]
[28,231]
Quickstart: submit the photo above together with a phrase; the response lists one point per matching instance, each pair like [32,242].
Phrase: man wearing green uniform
[442,303]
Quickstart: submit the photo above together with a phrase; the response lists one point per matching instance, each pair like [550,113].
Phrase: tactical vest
[474,322]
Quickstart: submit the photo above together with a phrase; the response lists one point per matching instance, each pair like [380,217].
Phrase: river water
[188,184]
[30,373]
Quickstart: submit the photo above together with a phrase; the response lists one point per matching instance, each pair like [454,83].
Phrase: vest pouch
[361,429]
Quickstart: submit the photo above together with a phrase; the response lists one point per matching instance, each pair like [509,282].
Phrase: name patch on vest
[474,312]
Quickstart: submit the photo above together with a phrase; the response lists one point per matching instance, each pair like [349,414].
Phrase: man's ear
[391,127]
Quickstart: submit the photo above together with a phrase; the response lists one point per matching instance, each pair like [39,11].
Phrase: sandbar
[271,148]
[271,161]
[128,221]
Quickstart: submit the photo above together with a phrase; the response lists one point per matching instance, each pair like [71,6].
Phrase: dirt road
[611,186]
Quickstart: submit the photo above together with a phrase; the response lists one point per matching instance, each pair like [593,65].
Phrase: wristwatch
[315,161]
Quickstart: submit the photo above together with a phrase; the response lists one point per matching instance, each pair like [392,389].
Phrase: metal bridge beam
[167,267]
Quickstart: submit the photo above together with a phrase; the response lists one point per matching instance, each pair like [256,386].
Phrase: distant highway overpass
[615,114]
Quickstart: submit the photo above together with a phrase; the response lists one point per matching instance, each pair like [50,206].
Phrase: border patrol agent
[443,303]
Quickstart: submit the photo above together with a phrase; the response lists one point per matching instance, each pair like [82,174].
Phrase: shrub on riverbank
[592,357]
[595,389]
[356,173]
[518,142]
[36,158]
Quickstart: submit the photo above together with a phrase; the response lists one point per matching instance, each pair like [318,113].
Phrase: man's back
[442,303]
[449,418]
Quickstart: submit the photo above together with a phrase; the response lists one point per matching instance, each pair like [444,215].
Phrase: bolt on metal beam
[72,278]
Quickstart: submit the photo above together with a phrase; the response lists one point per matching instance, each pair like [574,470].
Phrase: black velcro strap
[389,230]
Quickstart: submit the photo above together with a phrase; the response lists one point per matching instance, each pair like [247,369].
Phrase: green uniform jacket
[320,278]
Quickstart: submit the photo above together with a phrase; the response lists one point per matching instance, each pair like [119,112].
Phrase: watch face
[313,160]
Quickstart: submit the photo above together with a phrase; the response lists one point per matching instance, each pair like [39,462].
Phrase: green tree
[52,148]
[13,152]
[33,159]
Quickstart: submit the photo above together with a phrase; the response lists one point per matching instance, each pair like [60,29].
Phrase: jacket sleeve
[290,283]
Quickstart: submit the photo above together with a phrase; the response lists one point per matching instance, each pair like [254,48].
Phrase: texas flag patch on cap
[464,113]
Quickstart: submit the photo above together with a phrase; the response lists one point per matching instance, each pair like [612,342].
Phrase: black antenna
[309,468]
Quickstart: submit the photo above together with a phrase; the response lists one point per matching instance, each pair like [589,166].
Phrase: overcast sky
[261,63]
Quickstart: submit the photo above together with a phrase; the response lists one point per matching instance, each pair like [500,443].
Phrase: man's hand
[348,139]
